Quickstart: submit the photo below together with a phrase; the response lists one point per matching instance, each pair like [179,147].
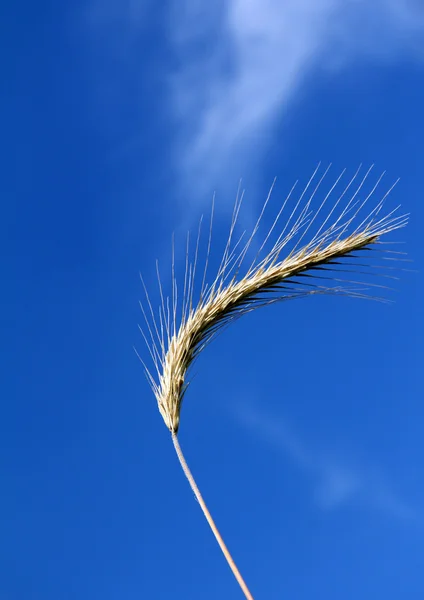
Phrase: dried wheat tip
[323,247]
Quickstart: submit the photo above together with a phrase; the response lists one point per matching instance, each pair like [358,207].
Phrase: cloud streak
[335,484]
[237,66]
[257,54]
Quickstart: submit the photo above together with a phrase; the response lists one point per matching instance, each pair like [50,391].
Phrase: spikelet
[175,340]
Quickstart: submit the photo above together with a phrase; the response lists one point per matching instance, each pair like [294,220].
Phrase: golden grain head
[321,247]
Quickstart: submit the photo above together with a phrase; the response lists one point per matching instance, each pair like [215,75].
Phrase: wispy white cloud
[333,483]
[238,65]
[258,53]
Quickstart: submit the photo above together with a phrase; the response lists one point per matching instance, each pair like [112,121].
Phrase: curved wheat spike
[175,341]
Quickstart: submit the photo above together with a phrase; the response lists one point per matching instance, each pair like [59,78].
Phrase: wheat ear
[183,327]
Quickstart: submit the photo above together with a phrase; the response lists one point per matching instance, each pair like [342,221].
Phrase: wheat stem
[178,334]
[209,519]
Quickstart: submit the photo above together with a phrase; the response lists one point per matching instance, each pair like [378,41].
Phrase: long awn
[184,325]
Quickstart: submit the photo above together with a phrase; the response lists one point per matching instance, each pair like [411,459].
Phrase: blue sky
[303,424]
